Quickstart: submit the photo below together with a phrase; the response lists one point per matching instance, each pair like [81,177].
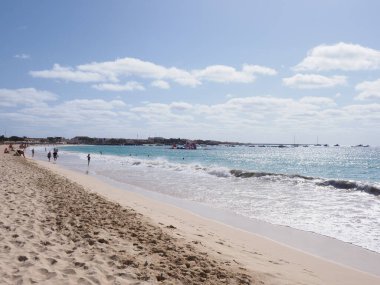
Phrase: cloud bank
[248,115]
[25,97]
[312,81]
[368,90]
[340,56]
[115,71]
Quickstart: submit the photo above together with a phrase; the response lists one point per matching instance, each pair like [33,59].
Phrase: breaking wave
[338,184]
[248,174]
[351,185]
[224,172]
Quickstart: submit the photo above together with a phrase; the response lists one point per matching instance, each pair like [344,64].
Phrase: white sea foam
[297,201]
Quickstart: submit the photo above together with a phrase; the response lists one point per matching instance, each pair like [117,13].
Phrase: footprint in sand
[52,261]
[46,273]
[83,281]
[69,271]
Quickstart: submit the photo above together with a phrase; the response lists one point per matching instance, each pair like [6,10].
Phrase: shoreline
[83,230]
[160,209]
[318,245]
[55,231]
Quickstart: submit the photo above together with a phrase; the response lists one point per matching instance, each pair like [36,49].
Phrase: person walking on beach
[32,152]
[49,155]
[55,155]
[88,159]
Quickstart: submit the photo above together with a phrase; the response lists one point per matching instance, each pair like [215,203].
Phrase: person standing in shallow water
[49,155]
[88,159]
[55,154]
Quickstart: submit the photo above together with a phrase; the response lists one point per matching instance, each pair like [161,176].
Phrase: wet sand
[62,227]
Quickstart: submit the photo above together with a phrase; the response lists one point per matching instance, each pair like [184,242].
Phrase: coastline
[320,246]
[264,260]
[314,243]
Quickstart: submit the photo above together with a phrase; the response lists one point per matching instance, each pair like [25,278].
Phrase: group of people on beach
[19,152]
[55,154]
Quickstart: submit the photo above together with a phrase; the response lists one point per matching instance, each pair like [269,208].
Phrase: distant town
[148,141]
[109,141]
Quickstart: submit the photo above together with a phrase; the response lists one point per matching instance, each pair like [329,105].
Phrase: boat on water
[188,145]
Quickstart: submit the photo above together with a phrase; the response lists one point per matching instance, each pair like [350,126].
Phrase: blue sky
[250,71]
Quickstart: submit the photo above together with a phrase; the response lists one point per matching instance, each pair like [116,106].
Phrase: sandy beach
[58,226]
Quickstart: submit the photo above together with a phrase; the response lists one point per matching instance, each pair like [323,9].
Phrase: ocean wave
[224,172]
[337,184]
[351,185]
[249,174]
[219,172]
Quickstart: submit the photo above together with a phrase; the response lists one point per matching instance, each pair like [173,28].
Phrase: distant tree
[16,138]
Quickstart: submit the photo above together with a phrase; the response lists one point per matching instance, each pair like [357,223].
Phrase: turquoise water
[348,163]
[332,191]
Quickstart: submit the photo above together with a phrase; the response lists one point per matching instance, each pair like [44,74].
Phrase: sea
[331,191]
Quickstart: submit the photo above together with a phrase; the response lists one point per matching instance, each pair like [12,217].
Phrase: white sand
[70,235]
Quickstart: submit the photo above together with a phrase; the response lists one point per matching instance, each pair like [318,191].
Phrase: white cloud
[22,56]
[246,118]
[81,116]
[340,56]
[257,69]
[162,114]
[182,77]
[129,86]
[312,81]
[180,106]
[327,102]
[69,74]
[96,104]
[161,84]
[223,74]
[24,96]
[363,109]
[125,67]
[368,90]
[258,112]
[114,71]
